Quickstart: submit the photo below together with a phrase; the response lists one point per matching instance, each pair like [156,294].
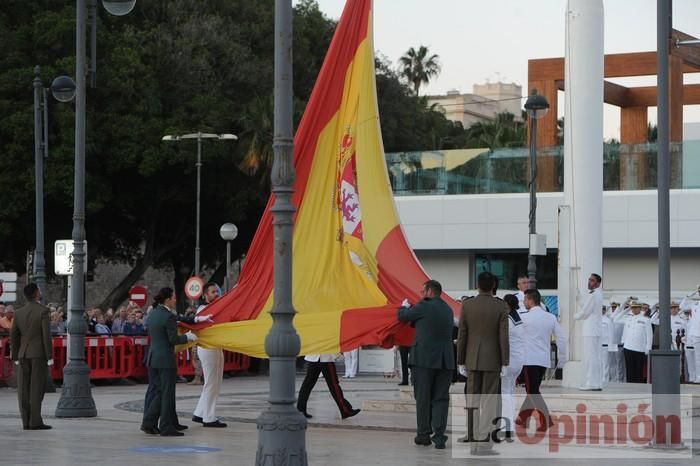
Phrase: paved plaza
[371,438]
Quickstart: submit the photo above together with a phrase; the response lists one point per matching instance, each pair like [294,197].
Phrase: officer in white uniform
[516,337]
[608,347]
[636,339]
[590,313]
[678,324]
[213,371]
[351,361]
[692,335]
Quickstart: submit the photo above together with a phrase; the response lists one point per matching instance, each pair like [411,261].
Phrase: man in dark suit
[432,361]
[162,328]
[30,338]
[483,347]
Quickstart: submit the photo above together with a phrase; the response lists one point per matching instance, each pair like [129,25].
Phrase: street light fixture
[76,396]
[199,136]
[63,89]
[228,232]
[536,107]
[119,7]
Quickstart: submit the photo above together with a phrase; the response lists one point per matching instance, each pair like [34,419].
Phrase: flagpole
[281,428]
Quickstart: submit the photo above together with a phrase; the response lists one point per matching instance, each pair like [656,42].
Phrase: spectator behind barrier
[58,326]
[133,325]
[102,328]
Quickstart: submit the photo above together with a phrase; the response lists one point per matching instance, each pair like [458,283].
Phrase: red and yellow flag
[352,265]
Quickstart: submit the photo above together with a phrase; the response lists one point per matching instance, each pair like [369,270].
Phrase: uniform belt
[690,347]
[605,345]
[620,345]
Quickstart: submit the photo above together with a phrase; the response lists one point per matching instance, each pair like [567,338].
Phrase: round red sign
[138,294]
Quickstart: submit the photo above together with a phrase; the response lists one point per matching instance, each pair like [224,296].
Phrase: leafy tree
[418,67]
[172,66]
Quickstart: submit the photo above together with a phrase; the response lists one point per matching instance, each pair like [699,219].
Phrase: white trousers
[351,360]
[692,357]
[620,370]
[591,362]
[213,370]
[507,389]
[606,360]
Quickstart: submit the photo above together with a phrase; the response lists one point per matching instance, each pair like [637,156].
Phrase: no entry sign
[139,295]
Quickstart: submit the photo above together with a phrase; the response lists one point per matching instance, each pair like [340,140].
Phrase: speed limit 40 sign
[194,288]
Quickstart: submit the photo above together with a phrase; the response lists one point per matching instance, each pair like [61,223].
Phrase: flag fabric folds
[352,265]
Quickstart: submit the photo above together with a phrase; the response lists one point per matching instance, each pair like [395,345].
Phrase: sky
[480,40]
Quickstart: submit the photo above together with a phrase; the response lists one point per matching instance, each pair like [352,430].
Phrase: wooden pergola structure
[547,76]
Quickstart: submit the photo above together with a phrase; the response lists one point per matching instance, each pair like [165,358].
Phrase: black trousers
[313,370]
[431,389]
[534,402]
[31,382]
[150,394]
[162,404]
[403,353]
[634,366]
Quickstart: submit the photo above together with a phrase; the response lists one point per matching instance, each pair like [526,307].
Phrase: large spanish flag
[352,266]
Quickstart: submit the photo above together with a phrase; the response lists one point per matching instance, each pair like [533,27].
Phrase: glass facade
[481,171]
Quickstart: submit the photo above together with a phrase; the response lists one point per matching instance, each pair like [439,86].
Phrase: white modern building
[483,104]
[457,235]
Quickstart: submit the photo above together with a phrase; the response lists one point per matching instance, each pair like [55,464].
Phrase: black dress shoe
[306,415]
[150,430]
[180,427]
[172,433]
[216,423]
[403,384]
[197,419]
[41,427]
[425,441]
[353,412]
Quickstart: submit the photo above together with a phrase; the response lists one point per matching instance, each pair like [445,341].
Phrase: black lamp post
[536,107]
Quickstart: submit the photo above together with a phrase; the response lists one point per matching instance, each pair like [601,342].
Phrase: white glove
[49,362]
[683,340]
[17,363]
[191,336]
[503,370]
[405,303]
[206,318]
[462,370]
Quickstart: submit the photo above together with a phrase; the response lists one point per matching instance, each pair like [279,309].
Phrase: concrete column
[583,159]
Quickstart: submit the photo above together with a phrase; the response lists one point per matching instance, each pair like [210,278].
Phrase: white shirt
[607,333]
[693,326]
[320,357]
[521,301]
[516,339]
[638,334]
[677,323]
[591,312]
[618,326]
[539,328]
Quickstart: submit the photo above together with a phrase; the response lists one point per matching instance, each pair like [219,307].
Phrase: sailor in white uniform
[608,347]
[212,369]
[617,366]
[509,374]
[692,335]
[589,311]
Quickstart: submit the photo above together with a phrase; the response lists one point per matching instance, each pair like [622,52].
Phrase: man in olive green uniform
[483,347]
[162,328]
[432,361]
[31,350]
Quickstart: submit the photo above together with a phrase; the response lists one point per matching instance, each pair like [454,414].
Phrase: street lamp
[63,90]
[76,396]
[228,232]
[199,136]
[536,107]
[281,427]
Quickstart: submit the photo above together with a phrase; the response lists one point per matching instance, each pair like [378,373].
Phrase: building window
[508,266]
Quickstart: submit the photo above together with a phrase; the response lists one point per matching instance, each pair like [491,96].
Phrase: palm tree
[418,67]
[257,123]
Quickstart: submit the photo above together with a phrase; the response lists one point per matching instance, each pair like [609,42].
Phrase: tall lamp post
[536,107]
[199,136]
[228,232]
[76,397]
[63,90]
[281,428]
